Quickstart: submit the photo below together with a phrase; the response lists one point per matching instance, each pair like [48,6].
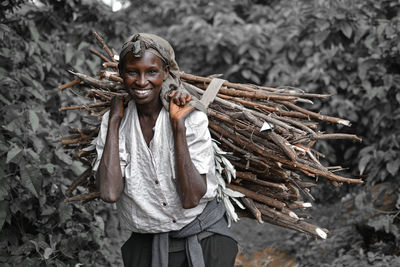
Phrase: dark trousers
[218,251]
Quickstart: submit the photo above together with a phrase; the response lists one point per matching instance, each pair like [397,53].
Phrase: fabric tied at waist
[211,220]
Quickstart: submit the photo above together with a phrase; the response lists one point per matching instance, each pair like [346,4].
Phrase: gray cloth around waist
[212,219]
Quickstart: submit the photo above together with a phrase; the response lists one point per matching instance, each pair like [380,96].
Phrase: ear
[120,69]
[166,72]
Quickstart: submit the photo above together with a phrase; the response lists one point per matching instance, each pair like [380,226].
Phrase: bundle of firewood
[265,137]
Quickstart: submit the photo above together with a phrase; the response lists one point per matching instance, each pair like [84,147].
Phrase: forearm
[191,184]
[110,179]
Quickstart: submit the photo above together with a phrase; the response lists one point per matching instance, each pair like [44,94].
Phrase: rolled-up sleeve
[100,143]
[201,150]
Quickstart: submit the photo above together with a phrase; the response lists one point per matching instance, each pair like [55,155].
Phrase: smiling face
[143,77]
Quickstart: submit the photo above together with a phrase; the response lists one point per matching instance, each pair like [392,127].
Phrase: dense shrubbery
[347,48]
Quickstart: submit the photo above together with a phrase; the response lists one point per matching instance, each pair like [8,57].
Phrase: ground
[263,245]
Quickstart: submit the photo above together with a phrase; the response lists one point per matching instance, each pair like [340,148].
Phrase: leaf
[34,120]
[227,56]
[47,253]
[3,72]
[363,163]
[254,54]
[82,45]
[27,182]
[240,205]
[3,189]
[320,37]
[35,93]
[49,167]
[233,193]
[393,166]
[5,28]
[34,32]
[3,212]
[63,157]
[246,73]
[69,53]
[13,153]
[3,99]
[346,29]
[65,213]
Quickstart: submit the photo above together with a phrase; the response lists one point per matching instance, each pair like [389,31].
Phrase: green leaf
[49,167]
[48,210]
[3,99]
[65,213]
[3,189]
[346,29]
[47,253]
[13,153]
[3,212]
[83,45]
[363,163]
[26,181]
[3,72]
[35,93]
[69,53]
[64,157]
[47,47]
[4,28]
[34,120]
[393,166]
[320,37]
[34,32]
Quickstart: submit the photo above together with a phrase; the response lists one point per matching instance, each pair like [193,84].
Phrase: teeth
[142,92]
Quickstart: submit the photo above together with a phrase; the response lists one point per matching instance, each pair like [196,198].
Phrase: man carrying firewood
[155,160]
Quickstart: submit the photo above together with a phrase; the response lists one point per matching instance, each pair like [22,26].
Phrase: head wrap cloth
[139,43]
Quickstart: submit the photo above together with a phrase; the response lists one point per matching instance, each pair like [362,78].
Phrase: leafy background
[349,49]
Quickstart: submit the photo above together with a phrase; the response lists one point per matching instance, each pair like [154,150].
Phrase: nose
[142,80]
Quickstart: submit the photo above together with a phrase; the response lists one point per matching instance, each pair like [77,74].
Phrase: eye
[152,72]
[131,72]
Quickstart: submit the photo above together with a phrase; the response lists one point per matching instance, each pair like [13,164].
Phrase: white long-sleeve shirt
[150,202]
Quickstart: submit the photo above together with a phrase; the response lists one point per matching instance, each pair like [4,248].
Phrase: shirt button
[164,204]
[156,181]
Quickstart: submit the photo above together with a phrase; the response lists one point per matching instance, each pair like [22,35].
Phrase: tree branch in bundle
[256,196]
[87,196]
[253,209]
[97,83]
[288,164]
[79,180]
[69,84]
[104,46]
[100,55]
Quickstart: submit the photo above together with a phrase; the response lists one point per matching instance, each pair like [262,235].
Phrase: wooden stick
[79,180]
[104,46]
[100,55]
[248,176]
[69,84]
[97,83]
[338,136]
[97,105]
[87,196]
[110,65]
[261,198]
[253,209]
[315,115]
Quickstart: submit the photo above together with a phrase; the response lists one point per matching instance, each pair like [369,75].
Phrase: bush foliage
[349,49]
